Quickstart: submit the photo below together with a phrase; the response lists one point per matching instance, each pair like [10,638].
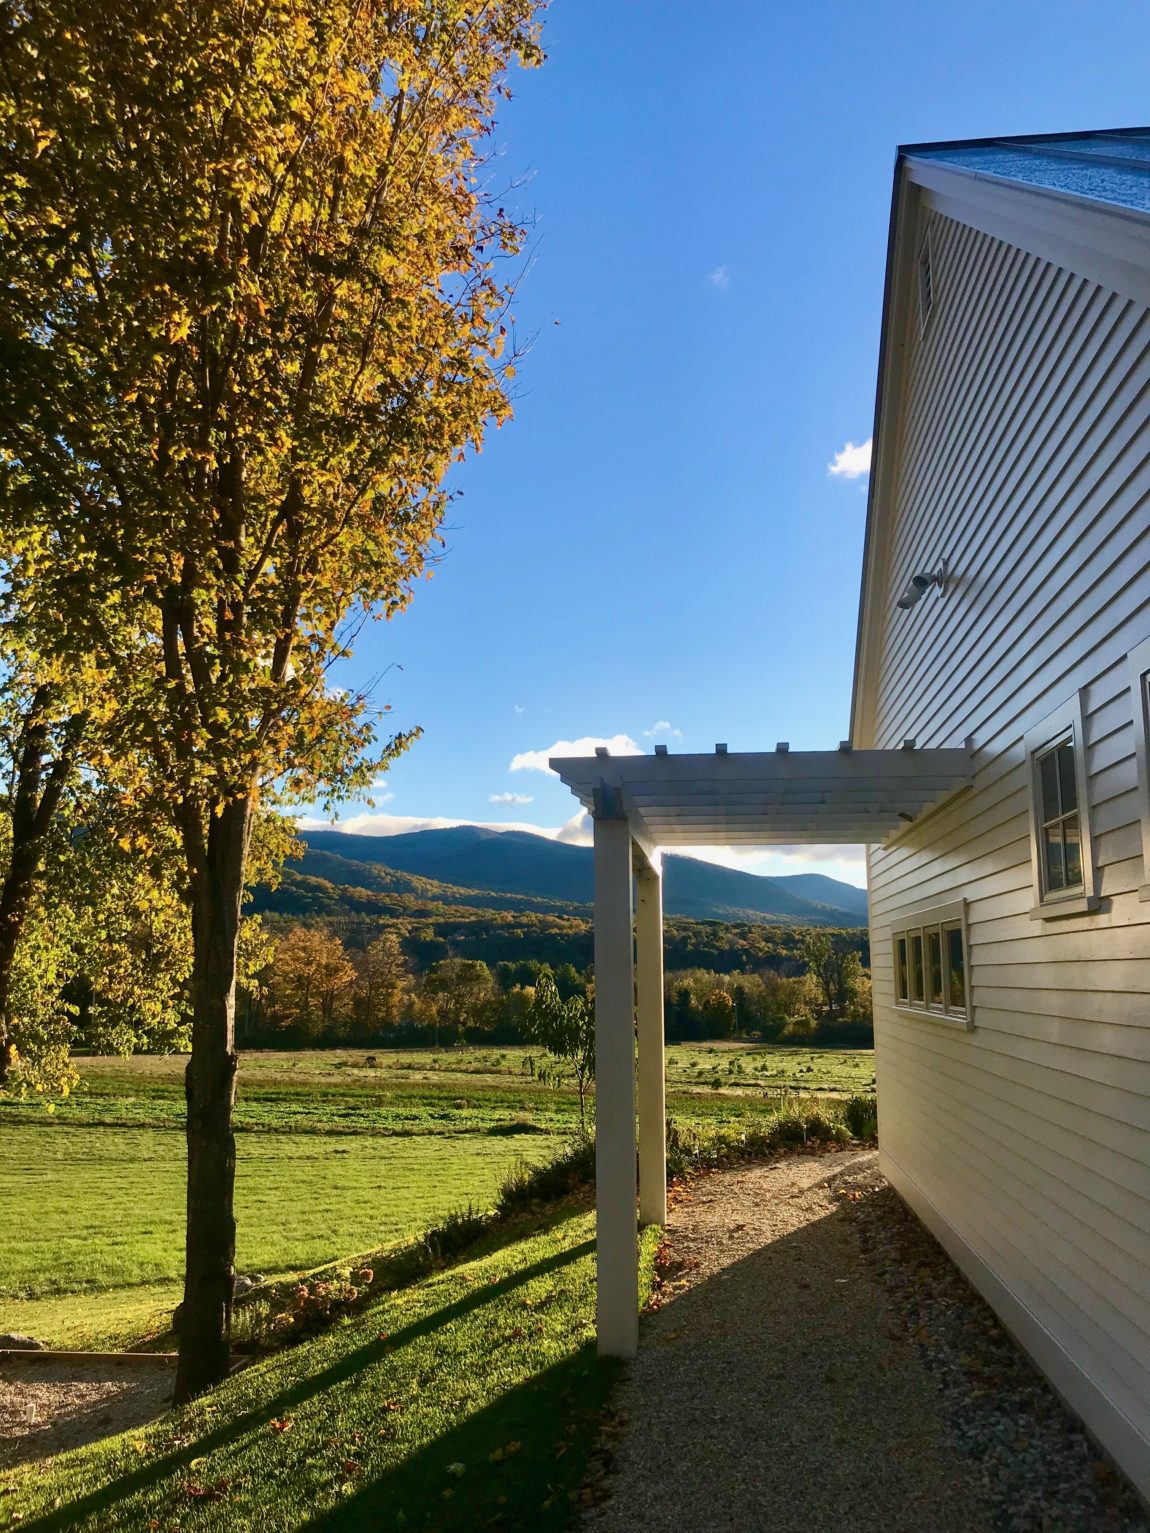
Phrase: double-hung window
[930,964]
[1140,697]
[1059,821]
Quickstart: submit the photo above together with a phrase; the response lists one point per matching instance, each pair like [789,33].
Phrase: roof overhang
[771,798]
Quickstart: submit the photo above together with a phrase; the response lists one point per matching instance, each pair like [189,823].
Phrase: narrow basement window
[930,964]
[917,994]
[901,991]
[934,966]
[955,967]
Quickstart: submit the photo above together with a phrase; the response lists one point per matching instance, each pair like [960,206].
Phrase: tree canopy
[253,314]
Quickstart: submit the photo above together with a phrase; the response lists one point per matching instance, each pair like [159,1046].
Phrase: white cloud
[536,761]
[577,830]
[574,832]
[720,277]
[662,728]
[510,798]
[519,708]
[379,795]
[852,462]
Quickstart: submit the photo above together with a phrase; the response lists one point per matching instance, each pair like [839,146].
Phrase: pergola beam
[770,767]
[641,804]
[780,797]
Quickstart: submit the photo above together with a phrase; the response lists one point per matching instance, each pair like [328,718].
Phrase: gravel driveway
[784,1385]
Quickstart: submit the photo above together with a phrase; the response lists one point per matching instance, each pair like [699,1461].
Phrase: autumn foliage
[253,313]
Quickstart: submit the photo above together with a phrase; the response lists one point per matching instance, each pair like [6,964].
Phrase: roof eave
[866,580]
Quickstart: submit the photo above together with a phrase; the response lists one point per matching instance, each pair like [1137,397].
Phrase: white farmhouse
[998,769]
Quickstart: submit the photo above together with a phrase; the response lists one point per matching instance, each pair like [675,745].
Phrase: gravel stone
[1036,1466]
[817,1362]
[49,1406]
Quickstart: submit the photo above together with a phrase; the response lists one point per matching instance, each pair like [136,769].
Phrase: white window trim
[1139,662]
[919,921]
[1065,722]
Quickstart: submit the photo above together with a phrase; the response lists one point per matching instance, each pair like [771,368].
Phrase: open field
[110,1213]
[335,1157]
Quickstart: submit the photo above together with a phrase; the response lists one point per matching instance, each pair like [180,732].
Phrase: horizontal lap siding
[1024,460]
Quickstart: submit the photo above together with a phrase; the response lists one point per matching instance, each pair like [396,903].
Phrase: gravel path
[799,1377]
[46,1407]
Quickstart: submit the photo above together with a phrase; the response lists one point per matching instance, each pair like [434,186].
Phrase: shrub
[692,1147]
[861,1116]
[458,1232]
[572,1168]
[280,1313]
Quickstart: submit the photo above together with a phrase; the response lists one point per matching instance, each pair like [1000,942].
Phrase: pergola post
[617,1251]
[649,1003]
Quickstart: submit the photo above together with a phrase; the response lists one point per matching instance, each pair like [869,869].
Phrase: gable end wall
[1022,456]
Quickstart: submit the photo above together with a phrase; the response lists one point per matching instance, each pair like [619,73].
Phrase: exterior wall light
[918,585]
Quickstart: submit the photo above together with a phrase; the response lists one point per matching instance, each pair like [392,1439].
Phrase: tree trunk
[15,897]
[210,1090]
[39,789]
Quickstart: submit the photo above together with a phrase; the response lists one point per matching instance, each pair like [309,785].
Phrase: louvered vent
[925,286]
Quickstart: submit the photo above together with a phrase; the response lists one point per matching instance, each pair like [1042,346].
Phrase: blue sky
[655,547]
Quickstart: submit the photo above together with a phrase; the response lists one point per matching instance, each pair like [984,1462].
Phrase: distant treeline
[381,982]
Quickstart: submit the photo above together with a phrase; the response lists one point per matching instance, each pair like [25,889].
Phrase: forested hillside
[437,920]
[470,857]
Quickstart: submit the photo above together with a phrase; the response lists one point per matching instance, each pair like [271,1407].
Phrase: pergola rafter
[640,805]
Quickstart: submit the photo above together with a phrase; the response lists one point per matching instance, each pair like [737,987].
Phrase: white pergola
[641,805]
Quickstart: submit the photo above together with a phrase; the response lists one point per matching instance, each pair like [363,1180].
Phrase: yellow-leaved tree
[253,313]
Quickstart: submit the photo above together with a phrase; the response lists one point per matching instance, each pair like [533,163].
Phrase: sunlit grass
[335,1157]
[469,1400]
[85,1209]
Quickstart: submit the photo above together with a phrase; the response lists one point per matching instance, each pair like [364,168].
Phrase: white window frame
[919,924]
[1064,725]
[1139,662]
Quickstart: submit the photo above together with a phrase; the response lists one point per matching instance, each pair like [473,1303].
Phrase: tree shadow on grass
[519,1463]
[106,1498]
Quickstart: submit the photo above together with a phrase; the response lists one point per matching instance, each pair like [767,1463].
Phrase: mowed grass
[84,1208]
[91,1218]
[464,1090]
[335,1157]
[469,1400]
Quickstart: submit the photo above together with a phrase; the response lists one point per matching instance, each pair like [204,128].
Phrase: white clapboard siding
[1022,456]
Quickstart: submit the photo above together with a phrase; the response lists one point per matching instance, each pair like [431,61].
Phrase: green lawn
[335,1157]
[85,1210]
[95,1209]
[771,1068]
[469,1400]
[422,1091]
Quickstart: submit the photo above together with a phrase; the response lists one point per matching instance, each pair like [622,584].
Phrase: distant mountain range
[467,860]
